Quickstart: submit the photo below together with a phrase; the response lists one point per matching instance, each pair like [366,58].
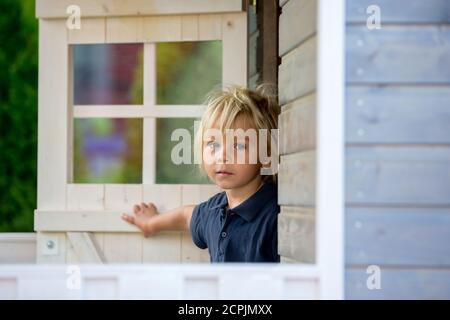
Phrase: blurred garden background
[18,114]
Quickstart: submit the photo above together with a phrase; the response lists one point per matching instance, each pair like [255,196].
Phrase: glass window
[108,150]
[187,71]
[108,74]
[166,170]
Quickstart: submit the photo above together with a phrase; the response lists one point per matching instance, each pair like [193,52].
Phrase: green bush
[18,114]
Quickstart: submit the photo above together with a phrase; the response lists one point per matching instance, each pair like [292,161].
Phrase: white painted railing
[17,248]
[159,281]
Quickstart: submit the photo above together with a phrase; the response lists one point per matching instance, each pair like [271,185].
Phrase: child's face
[222,159]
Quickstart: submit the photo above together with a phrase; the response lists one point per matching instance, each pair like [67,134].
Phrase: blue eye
[239,146]
[212,145]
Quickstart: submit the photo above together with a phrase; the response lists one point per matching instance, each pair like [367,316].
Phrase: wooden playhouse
[346,92]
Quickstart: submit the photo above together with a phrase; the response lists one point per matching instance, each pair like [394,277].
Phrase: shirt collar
[252,205]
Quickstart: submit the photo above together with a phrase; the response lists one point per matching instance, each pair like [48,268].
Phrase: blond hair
[260,106]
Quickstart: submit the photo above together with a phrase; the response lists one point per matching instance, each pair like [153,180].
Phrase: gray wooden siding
[297,174]
[398,149]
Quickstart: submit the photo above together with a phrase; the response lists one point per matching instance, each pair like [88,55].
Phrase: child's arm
[147,219]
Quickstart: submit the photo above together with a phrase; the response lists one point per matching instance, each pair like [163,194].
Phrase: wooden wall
[90,230]
[80,223]
[398,149]
[297,96]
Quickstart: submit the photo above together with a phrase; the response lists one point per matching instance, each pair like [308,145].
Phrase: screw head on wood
[50,244]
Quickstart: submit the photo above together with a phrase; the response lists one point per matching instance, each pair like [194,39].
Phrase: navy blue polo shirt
[245,233]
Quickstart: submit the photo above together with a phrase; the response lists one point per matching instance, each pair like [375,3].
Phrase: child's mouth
[223,173]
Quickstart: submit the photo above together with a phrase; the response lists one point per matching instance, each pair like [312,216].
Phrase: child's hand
[142,215]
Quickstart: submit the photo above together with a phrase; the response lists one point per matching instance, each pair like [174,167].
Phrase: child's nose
[222,155]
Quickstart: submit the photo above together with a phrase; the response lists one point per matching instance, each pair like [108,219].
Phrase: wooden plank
[297,124]
[209,27]
[53,159]
[85,197]
[93,30]
[197,193]
[197,287]
[398,236]
[296,179]
[70,123]
[8,288]
[123,247]
[51,247]
[46,285]
[297,72]
[81,221]
[71,255]
[296,234]
[285,260]
[190,253]
[164,196]
[400,176]
[85,247]
[149,151]
[17,248]
[122,196]
[400,11]
[167,28]
[234,46]
[166,281]
[189,27]
[398,54]
[399,284]
[149,138]
[396,114]
[330,147]
[100,288]
[164,247]
[109,8]
[299,15]
[124,29]
[119,111]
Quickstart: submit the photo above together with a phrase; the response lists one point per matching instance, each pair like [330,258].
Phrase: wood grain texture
[298,15]
[398,236]
[401,115]
[297,72]
[398,175]
[296,234]
[297,125]
[111,8]
[398,54]
[296,176]
[399,284]
[400,11]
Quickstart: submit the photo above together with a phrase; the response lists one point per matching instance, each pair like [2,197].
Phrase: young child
[240,223]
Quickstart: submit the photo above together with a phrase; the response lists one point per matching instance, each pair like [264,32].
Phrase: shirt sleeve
[197,225]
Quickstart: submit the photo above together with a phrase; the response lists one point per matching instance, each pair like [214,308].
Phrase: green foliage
[18,114]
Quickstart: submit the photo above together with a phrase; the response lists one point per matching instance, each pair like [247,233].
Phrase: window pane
[108,151]
[108,74]
[166,170]
[187,71]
